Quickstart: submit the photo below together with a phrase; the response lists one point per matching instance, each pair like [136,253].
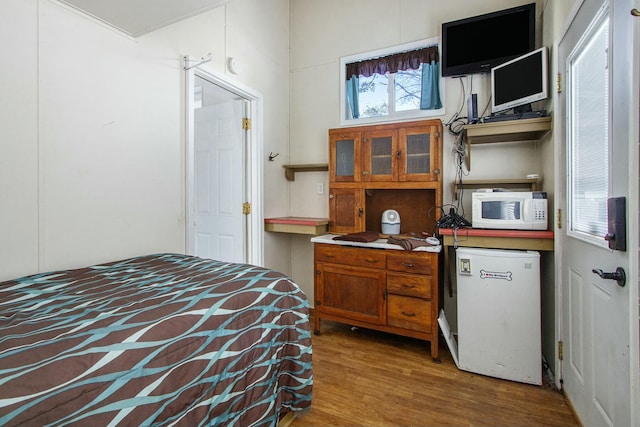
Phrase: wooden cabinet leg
[316,325]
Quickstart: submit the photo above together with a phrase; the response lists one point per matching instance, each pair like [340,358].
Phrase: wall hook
[187,61]
[273,156]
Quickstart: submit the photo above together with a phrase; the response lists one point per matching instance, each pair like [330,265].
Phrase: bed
[163,339]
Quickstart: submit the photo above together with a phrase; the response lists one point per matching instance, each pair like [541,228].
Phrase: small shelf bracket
[188,66]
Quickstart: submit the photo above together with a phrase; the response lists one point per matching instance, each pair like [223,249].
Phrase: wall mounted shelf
[534,184]
[290,170]
[505,131]
[297,225]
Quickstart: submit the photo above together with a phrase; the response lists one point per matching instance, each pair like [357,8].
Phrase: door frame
[633,208]
[633,223]
[252,168]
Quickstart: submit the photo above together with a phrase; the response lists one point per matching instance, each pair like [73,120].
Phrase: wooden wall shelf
[506,131]
[533,184]
[532,240]
[290,170]
[297,225]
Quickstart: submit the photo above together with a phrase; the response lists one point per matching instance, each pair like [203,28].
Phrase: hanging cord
[459,153]
[455,123]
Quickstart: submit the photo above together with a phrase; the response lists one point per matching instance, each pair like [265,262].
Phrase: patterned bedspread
[155,340]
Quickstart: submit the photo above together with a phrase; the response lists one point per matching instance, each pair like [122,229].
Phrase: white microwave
[513,210]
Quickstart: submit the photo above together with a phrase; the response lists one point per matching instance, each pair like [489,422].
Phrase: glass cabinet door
[380,152]
[344,157]
[418,146]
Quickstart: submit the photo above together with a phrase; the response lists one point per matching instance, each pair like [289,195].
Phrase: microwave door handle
[527,214]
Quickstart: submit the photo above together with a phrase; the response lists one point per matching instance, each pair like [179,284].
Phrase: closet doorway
[223,191]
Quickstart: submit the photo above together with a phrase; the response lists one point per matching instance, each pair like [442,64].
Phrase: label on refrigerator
[484,274]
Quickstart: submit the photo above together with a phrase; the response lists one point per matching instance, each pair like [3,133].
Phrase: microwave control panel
[540,210]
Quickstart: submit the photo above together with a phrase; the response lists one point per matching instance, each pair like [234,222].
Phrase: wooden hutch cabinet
[368,165]
[372,169]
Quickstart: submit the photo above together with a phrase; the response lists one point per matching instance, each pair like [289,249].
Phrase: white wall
[321,33]
[18,138]
[92,128]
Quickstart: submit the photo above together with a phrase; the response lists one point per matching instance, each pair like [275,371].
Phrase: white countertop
[379,244]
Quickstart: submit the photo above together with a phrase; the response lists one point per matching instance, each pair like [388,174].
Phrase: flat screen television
[475,45]
[519,82]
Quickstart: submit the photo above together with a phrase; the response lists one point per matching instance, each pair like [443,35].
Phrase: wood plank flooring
[369,378]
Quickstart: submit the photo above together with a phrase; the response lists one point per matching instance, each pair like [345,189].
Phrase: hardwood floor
[369,378]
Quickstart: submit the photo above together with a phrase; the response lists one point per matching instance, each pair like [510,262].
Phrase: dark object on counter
[362,237]
[452,220]
[408,244]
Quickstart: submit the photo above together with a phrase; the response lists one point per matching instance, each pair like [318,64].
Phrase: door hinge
[559,218]
[560,350]
[246,123]
[559,83]
[246,208]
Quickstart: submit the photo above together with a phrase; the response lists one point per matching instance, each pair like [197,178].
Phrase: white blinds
[589,133]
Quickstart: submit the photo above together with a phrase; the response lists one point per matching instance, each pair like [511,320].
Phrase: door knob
[619,275]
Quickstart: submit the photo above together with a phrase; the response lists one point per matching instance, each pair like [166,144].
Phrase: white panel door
[594,118]
[220,226]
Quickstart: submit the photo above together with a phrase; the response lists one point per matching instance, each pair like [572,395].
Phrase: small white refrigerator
[499,331]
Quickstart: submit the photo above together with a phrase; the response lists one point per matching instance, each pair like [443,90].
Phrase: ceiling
[137,17]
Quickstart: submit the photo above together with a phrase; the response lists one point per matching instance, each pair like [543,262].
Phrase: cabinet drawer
[359,257]
[411,285]
[410,263]
[409,313]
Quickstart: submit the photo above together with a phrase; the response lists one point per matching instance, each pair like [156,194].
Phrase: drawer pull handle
[329,256]
[409,314]
[404,285]
[371,260]
[408,264]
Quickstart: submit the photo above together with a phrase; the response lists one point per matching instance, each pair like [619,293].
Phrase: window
[401,82]
[588,135]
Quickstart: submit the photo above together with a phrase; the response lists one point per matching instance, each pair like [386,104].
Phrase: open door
[224,180]
[593,120]
[219,148]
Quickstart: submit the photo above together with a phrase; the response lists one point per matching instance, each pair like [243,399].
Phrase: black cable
[456,116]
[450,220]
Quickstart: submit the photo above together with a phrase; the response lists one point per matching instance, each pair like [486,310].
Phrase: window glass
[589,135]
[374,96]
[407,89]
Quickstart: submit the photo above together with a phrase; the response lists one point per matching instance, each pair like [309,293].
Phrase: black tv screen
[477,44]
